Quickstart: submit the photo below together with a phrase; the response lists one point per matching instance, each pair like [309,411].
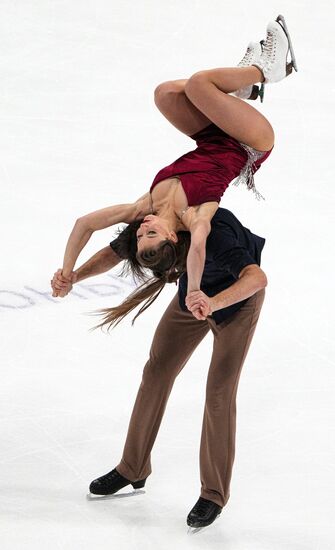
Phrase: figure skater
[233,291]
[229,295]
[233,139]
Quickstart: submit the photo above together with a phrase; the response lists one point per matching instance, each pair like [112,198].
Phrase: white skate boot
[273,60]
[252,55]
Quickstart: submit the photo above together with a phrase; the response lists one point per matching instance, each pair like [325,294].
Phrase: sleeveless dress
[206,172]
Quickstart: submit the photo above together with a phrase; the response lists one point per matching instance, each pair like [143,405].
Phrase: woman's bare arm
[100,219]
[197,254]
[127,213]
[199,226]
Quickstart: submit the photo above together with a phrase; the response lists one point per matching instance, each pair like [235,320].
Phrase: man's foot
[203,513]
[112,482]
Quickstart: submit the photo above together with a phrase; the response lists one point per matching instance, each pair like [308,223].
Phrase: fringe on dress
[246,175]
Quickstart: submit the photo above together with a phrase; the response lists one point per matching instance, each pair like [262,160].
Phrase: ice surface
[79,131]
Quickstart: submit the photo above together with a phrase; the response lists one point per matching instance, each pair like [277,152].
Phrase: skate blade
[293,63]
[254,93]
[261,92]
[194,530]
[257,92]
[91,496]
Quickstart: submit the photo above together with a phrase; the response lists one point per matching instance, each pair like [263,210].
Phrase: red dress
[206,172]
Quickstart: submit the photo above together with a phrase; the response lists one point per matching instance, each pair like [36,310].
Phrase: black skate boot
[112,482]
[203,513]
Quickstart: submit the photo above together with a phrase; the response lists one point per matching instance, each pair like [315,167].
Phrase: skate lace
[201,507]
[269,48]
[111,475]
[247,57]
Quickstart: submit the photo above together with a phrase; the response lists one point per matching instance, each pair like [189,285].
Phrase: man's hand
[61,285]
[199,304]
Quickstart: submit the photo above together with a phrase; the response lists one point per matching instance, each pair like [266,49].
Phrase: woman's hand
[61,285]
[199,304]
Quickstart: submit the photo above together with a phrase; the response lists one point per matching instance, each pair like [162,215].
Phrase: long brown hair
[166,262]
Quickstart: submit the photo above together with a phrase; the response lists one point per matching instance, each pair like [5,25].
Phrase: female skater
[229,304]
[233,139]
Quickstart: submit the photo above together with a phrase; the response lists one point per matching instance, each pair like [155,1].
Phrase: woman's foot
[252,55]
[273,61]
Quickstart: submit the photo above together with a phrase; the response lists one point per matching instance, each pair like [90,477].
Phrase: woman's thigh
[232,114]
[172,102]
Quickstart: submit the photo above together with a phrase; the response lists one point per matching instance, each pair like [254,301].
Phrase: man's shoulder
[224,215]
[223,225]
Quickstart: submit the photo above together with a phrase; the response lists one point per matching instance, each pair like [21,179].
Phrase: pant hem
[126,472]
[217,501]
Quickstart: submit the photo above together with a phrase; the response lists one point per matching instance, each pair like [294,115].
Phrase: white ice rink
[79,131]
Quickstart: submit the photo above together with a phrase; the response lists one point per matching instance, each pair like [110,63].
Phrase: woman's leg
[172,102]
[208,90]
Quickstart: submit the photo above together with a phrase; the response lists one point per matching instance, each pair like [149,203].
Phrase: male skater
[230,300]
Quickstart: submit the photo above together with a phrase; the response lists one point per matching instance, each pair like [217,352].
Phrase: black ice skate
[203,513]
[112,482]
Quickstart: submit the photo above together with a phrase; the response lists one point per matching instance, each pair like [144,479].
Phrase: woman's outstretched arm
[197,254]
[100,219]
[199,227]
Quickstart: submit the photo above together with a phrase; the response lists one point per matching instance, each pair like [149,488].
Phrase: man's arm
[100,262]
[251,279]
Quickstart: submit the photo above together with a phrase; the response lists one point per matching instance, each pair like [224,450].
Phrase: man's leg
[176,337]
[232,339]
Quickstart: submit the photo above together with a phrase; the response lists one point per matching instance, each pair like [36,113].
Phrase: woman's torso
[203,174]
[169,191]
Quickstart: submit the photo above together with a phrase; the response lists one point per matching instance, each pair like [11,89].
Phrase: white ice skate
[273,61]
[252,55]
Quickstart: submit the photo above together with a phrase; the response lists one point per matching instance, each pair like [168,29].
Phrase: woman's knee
[196,81]
[266,138]
[271,138]
[163,91]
